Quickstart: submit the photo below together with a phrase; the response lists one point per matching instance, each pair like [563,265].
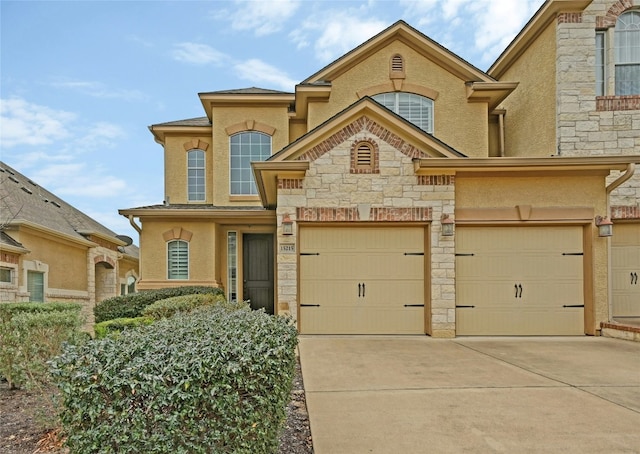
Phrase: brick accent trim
[631,329]
[360,125]
[9,258]
[625,212]
[290,183]
[437,180]
[613,103]
[104,259]
[609,19]
[570,18]
[381,214]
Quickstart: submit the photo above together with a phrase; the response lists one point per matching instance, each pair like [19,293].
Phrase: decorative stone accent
[437,180]
[362,124]
[625,212]
[290,183]
[613,103]
[570,18]
[327,214]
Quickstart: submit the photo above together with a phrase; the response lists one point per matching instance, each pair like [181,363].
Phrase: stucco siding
[530,125]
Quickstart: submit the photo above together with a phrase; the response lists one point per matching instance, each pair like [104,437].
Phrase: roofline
[160,131]
[536,25]
[267,174]
[208,100]
[212,213]
[40,228]
[14,249]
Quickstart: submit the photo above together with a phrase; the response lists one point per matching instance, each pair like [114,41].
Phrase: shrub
[132,305]
[30,335]
[212,380]
[170,306]
[103,329]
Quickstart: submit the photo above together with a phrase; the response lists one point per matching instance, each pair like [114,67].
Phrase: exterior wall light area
[605,226]
[447,225]
[287,225]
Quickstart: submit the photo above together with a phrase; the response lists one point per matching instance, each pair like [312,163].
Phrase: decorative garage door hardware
[467,307]
[414,305]
[309,305]
[361,288]
[414,253]
[573,305]
[309,253]
[464,255]
[573,253]
[634,278]
[518,288]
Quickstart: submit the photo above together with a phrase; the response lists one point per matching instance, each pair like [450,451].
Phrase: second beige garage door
[519,281]
[364,280]
[625,258]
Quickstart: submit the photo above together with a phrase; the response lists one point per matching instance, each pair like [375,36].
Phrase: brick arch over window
[177,233]
[195,144]
[609,19]
[250,125]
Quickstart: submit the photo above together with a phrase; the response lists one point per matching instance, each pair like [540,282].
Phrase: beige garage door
[519,281]
[365,280]
[625,264]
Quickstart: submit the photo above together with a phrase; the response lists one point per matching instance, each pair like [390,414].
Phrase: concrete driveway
[472,395]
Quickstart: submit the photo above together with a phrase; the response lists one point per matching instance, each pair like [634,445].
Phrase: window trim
[203,168]
[253,190]
[618,32]
[171,265]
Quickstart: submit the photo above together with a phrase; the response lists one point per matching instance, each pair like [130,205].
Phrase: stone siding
[331,193]
[588,125]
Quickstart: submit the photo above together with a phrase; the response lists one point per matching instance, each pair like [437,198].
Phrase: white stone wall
[329,184]
[583,129]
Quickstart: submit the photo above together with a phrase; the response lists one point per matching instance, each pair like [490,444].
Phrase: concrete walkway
[472,395]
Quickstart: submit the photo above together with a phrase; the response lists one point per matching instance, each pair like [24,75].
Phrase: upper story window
[195,175]
[627,53]
[246,147]
[414,108]
[177,259]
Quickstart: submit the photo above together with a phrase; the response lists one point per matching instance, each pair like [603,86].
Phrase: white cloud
[197,54]
[259,72]
[340,31]
[78,180]
[25,123]
[99,90]
[261,17]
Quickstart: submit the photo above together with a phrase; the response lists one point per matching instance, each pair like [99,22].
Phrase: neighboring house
[50,251]
[337,203]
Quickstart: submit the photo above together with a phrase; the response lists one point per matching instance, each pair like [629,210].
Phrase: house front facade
[401,190]
[50,251]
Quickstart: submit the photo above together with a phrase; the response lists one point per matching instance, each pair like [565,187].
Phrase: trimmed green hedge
[33,333]
[132,305]
[103,329]
[209,381]
[185,303]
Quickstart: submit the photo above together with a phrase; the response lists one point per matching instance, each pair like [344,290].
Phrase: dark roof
[22,199]
[247,91]
[7,240]
[198,121]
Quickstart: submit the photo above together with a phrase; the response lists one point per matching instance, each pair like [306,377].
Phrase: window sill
[614,103]
[244,198]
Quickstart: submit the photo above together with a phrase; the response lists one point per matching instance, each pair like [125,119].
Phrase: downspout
[631,168]
[134,225]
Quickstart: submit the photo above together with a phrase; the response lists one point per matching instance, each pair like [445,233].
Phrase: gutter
[134,225]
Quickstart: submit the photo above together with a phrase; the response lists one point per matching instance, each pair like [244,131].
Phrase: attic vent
[53,202]
[363,155]
[396,69]
[27,190]
[9,171]
[14,179]
[1,169]
[32,183]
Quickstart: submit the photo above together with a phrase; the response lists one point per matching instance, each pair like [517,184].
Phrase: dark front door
[258,270]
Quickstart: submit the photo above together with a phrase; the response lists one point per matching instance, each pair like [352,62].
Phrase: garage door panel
[625,264]
[519,281]
[366,276]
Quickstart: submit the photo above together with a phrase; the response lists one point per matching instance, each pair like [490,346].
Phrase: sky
[81,81]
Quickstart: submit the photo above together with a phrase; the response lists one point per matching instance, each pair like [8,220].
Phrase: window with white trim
[244,148]
[232,266]
[627,53]
[177,259]
[6,275]
[196,175]
[414,108]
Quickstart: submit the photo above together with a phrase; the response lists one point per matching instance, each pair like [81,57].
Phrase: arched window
[177,259]
[195,175]
[244,148]
[414,108]
[627,53]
